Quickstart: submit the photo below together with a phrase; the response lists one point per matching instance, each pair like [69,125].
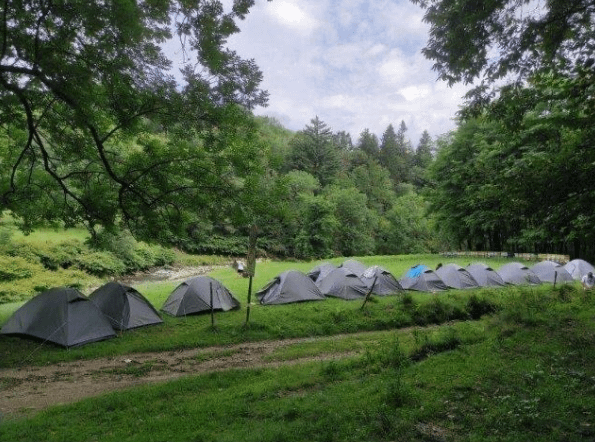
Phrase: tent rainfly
[194,296]
[516,273]
[550,271]
[416,270]
[386,283]
[485,275]
[342,283]
[355,266]
[124,306]
[456,277]
[426,281]
[61,315]
[320,271]
[290,286]
[578,268]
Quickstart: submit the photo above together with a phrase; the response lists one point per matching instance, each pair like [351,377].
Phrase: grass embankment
[322,318]
[526,372]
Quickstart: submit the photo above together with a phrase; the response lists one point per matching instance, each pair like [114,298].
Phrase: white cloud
[412,93]
[293,16]
[356,64]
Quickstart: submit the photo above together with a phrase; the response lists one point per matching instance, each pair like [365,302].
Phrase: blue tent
[415,271]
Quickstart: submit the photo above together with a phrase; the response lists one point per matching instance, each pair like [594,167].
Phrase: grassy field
[431,367]
[523,373]
[322,318]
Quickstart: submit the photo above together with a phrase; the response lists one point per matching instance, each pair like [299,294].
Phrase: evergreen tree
[395,153]
[343,140]
[313,150]
[368,143]
[423,153]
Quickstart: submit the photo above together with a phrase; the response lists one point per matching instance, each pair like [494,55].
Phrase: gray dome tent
[194,296]
[124,306]
[61,315]
[320,271]
[355,266]
[386,283]
[516,273]
[288,287]
[426,281]
[485,276]
[578,268]
[342,283]
[548,271]
[456,277]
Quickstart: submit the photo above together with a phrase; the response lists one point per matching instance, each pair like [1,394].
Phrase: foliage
[506,39]
[318,224]
[519,175]
[13,268]
[101,264]
[97,130]
[356,223]
[395,153]
[313,150]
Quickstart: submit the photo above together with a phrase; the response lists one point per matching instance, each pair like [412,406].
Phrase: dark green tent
[384,282]
[60,315]
[342,283]
[124,306]
[288,287]
[456,277]
[194,296]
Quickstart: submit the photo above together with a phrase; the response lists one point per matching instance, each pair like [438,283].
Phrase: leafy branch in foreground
[97,128]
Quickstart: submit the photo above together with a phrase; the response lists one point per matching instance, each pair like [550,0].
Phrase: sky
[355,64]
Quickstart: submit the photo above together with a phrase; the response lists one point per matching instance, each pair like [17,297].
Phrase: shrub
[101,264]
[41,280]
[13,268]
[61,255]
[445,341]
[28,251]
[477,307]
[437,311]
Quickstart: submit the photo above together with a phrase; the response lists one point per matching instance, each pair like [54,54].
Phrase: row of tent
[352,280]
[66,317]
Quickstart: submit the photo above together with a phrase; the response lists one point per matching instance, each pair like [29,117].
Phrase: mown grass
[525,373]
[322,318]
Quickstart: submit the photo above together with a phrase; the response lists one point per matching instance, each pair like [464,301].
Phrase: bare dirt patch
[25,390]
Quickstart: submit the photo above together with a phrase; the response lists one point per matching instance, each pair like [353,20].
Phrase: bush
[477,307]
[14,268]
[28,251]
[41,280]
[101,264]
[134,254]
[437,311]
[61,255]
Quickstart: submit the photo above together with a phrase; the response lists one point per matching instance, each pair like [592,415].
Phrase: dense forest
[97,132]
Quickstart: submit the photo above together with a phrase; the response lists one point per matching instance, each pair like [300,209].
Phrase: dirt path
[26,390]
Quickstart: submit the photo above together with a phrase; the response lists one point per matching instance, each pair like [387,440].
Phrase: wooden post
[555,278]
[212,309]
[250,268]
[369,293]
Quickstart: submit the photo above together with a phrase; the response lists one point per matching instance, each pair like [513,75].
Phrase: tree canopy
[506,39]
[96,126]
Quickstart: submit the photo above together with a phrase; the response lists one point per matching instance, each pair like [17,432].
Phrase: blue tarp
[415,271]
